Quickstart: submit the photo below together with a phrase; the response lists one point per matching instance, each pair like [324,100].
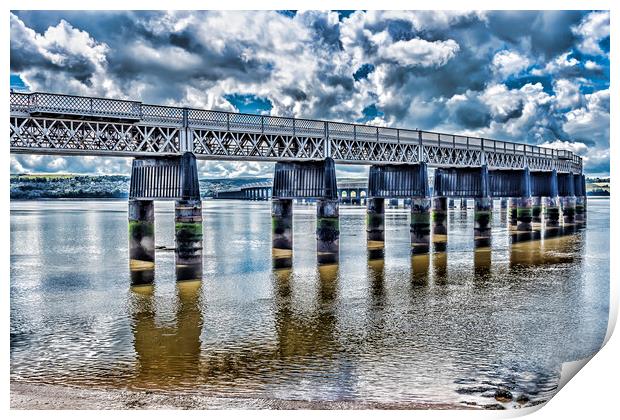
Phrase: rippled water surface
[449,328]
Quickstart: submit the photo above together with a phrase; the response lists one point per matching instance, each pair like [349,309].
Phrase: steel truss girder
[255,146]
[63,136]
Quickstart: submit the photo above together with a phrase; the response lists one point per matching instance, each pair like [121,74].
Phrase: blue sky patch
[17,83]
[604,44]
[343,14]
[363,71]
[287,13]
[517,82]
[249,104]
[370,113]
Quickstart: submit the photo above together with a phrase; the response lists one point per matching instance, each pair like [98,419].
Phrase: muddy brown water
[447,328]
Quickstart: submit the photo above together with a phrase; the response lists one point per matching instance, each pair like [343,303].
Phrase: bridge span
[49,123]
[545,187]
[349,191]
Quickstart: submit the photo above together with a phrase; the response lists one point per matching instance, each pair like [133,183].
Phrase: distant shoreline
[595,197]
[71,199]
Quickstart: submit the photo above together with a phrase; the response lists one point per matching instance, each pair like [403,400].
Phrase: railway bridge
[252,191]
[545,186]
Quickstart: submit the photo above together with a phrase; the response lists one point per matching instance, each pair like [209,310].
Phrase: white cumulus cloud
[506,63]
[417,52]
[592,29]
[500,74]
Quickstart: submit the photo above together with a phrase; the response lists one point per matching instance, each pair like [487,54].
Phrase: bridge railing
[75,105]
[68,105]
[162,114]
[19,102]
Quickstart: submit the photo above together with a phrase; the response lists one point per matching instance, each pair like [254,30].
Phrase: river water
[449,328]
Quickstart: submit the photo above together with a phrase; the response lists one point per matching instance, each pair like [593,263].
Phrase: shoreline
[589,197]
[28,396]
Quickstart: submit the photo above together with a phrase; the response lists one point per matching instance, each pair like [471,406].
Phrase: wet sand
[26,396]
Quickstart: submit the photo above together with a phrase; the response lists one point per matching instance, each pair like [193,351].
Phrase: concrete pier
[440,223]
[188,239]
[513,205]
[375,227]
[580,199]
[282,232]
[552,212]
[483,215]
[141,218]
[420,225]
[568,209]
[524,214]
[580,209]
[327,230]
[536,210]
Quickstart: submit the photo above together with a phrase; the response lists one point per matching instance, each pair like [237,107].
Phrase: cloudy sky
[537,77]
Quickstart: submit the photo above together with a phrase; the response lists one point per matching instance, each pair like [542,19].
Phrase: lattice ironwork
[255,146]
[61,136]
[49,103]
[52,123]
[156,114]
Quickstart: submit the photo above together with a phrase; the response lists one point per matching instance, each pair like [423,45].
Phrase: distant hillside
[31,187]
[34,186]
[598,186]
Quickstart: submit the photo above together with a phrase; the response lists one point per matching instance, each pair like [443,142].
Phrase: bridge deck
[46,123]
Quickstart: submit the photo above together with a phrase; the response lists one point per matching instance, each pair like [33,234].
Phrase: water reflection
[142,273]
[419,269]
[451,326]
[482,263]
[306,336]
[440,267]
[552,250]
[440,242]
[525,236]
[376,250]
[167,350]
[376,271]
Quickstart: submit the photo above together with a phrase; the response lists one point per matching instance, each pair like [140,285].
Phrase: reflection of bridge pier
[419,269]
[482,263]
[300,336]
[440,267]
[167,354]
[141,216]
[558,249]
